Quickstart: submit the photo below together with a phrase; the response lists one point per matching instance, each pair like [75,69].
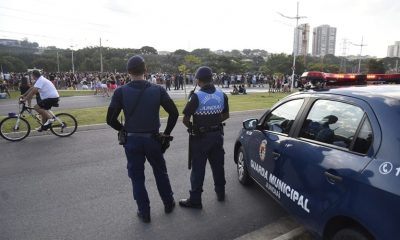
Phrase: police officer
[209,108]
[142,126]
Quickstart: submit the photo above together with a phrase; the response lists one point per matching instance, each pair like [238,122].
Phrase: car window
[281,119]
[364,138]
[332,122]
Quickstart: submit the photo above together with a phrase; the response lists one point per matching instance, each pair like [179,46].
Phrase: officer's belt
[209,129]
[146,135]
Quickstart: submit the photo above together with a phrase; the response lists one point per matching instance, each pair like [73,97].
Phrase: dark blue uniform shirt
[146,117]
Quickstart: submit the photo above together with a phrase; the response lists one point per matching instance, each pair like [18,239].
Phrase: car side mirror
[250,124]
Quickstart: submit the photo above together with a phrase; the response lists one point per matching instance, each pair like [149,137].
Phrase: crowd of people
[105,83]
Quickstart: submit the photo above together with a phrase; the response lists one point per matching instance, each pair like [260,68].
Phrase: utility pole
[58,63]
[72,57]
[305,43]
[361,46]
[297,17]
[397,66]
[342,67]
[101,58]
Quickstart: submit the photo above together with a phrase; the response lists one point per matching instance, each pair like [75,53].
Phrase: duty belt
[146,135]
[209,129]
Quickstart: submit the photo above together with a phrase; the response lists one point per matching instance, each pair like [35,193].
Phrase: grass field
[63,93]
[97,115]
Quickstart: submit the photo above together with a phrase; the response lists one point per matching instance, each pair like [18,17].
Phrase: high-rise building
[301,39]
[324,40]
[394,50]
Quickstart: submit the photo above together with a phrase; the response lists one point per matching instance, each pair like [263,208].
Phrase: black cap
[204,74]
[136,65]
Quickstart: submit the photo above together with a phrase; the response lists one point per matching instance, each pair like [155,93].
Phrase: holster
[164,141]
[122,137]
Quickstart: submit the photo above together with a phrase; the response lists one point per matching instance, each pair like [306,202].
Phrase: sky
[190,24]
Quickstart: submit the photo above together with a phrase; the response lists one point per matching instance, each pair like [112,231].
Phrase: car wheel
[243,174]
[350,234]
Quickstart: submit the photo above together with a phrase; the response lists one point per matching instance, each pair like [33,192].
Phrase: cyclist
[49,97]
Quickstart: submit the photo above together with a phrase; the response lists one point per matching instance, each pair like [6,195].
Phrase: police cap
[204,74]
[136,65]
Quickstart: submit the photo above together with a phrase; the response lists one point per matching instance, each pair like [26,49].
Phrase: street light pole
[297,17]
[101,58]
[58,63]
[359,59]
[72,57]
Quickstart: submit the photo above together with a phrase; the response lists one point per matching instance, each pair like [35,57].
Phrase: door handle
[332,178]
[275,155]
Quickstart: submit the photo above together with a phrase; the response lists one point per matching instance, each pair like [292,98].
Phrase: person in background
[24,87]
[49,97]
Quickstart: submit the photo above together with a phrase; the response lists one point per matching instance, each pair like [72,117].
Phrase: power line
[297,17]
[361,45]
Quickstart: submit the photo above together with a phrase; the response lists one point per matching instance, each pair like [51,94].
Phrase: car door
[317,167]
[265,141]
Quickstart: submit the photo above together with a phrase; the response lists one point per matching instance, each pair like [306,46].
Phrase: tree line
[52,59]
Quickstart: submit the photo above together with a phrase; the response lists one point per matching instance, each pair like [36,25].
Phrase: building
[394,50]
[301,39]
[324,40]
[10,42]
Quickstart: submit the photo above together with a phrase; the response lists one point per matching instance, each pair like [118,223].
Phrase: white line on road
[283,229]
[289,235]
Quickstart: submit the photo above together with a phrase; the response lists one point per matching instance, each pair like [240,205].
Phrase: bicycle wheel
[14,128]
[65,125]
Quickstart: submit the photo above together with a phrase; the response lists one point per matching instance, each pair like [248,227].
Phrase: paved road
[10,105]
[78,188]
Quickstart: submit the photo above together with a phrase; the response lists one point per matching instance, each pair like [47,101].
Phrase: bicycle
[15,127]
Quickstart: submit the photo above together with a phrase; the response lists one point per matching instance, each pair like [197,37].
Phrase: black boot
[168,208]
[145,217]
[189,204]
[221,197]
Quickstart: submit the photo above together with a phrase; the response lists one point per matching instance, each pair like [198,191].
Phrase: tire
[8,131]
[66,127]
[351,234]
[243,174]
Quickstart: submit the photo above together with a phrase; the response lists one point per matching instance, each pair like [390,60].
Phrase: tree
[246,52]
[391,63]
[201,52]
[181,52]
[47,65]
[281,63]
[331,59]
[322,67]
[191,62]
[376,66]
[146,50]
[87,65]
[236,53]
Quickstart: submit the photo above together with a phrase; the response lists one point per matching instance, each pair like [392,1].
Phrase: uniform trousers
[137,150]
[207,146]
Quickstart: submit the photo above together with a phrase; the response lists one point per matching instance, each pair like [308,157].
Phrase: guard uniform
[142,127]
[207,106]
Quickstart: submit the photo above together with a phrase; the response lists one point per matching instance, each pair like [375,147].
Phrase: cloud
[119,6]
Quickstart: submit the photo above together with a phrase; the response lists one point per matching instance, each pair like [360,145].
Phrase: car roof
[362,92]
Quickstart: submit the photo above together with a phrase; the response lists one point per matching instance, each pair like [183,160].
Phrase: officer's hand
[165,140]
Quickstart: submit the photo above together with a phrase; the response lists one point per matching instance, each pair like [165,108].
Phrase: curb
[99,126]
